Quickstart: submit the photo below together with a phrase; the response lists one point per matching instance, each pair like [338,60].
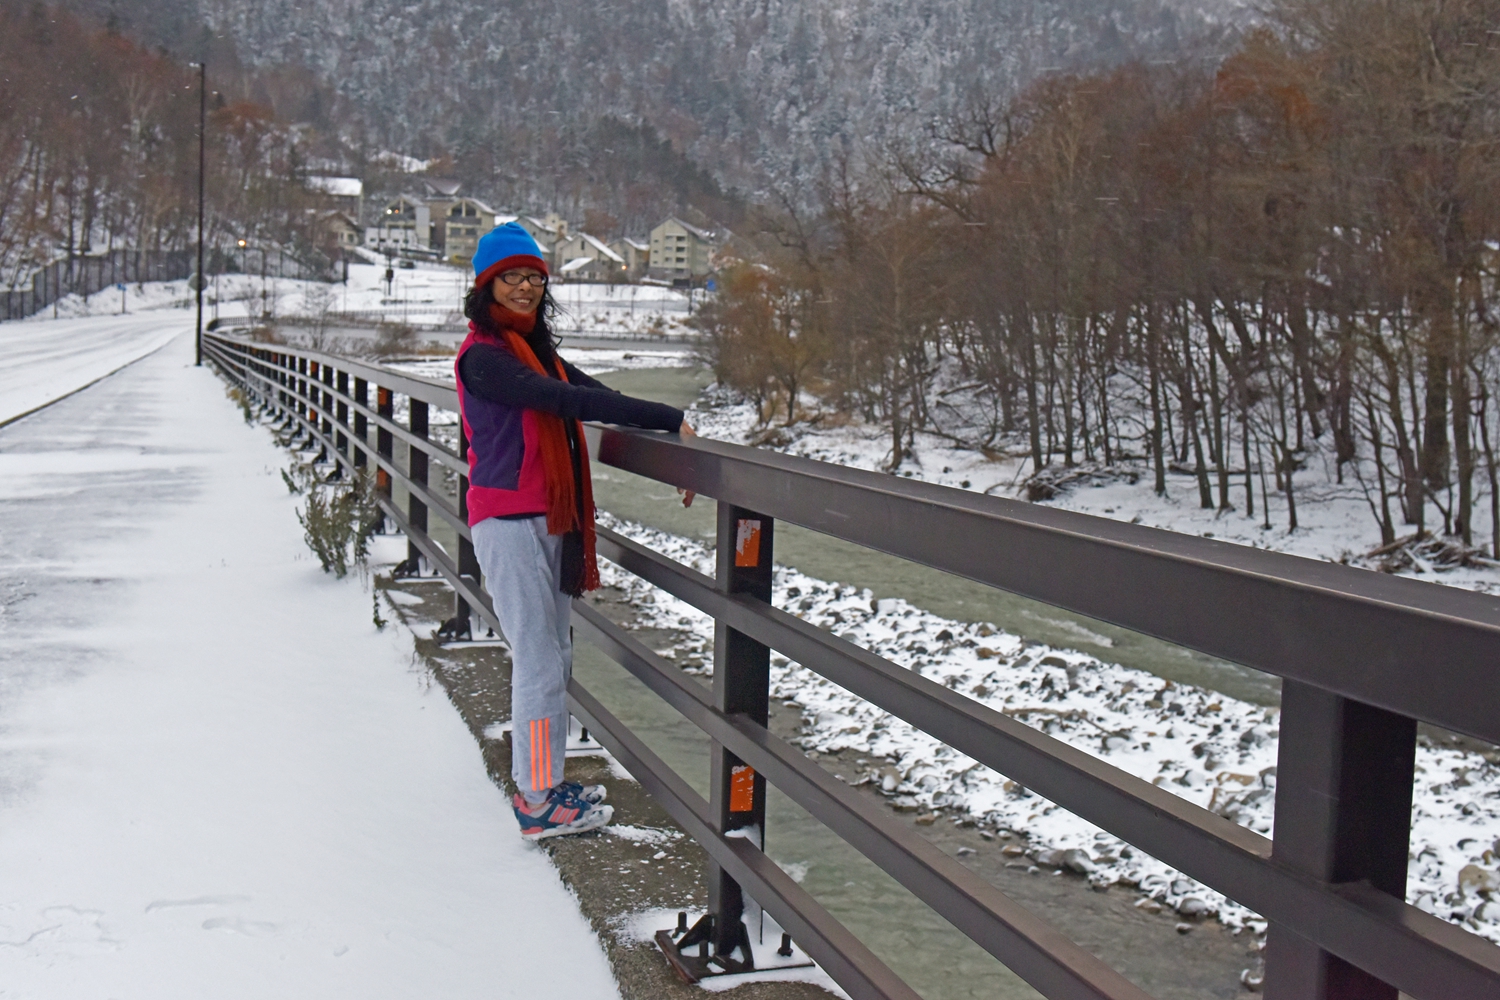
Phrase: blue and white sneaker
[559,815]
[592,794]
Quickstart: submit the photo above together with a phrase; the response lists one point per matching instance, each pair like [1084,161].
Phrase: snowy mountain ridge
[766,94]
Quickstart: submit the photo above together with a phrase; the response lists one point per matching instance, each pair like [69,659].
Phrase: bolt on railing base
[456,629]
[690,952]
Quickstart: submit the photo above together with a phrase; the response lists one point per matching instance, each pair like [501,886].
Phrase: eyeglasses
[515,279]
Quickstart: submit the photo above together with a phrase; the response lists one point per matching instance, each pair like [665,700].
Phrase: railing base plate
[700,963]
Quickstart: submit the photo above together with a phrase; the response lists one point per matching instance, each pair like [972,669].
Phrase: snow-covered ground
[146,296]
[431,295]
[423,295]
[624,310]
[426,295]
[42,358]
[217,776]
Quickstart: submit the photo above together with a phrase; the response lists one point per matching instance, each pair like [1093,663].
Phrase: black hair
[477,302]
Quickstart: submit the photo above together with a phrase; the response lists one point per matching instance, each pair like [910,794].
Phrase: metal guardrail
[1363,657]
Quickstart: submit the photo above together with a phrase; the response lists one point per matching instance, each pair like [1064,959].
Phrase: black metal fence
[88,275]
[273,262]
[1363,658]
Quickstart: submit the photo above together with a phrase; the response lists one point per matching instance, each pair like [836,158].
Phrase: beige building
[636,254]
[680,252]
[546,236]
[404,223]
[466,220]
[585,258]
[339,230]
[439,222]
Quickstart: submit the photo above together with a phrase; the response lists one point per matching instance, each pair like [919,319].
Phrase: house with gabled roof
[545,235]
[610,266]
[346,194]
[681,252]
[466,220]
[635,253]
[404,222]
[339,230]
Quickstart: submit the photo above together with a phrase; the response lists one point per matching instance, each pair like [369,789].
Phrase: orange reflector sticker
[742,789]
[747,543]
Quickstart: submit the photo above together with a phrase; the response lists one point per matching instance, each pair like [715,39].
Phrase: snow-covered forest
[1225,268]
[99,145]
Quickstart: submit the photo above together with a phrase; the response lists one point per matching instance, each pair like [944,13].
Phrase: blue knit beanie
[503,248]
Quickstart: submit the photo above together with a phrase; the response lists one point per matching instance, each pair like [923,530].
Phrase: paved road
[43,359]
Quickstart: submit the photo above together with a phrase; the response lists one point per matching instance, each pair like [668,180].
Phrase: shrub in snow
[337,517]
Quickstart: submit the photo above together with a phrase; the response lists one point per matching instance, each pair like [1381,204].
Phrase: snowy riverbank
[1212,750]
[1334,519]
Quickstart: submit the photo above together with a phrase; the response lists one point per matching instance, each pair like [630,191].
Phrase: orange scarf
[567,510]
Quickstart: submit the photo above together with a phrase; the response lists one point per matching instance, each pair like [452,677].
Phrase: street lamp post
[198,284]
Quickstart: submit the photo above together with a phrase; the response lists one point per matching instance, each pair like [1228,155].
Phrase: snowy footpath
[217,777]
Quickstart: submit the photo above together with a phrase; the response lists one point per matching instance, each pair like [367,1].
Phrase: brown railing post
[301,390]
[361,422]
[315,399]
[289,385]
[327,399]
[1344,775]
[416,466]
[742,681]
[460,626]
[341,411]
[384,443]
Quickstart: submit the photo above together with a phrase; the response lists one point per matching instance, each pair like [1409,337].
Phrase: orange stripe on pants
[536,785]
[547,742]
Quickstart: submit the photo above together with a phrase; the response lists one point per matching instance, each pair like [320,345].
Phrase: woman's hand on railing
[686,430]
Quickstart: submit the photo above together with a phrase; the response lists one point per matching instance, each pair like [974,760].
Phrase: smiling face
[523,297]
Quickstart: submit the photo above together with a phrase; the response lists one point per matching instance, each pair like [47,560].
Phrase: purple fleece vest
[506,477]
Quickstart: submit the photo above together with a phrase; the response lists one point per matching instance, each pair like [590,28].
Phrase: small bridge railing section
[1363,657]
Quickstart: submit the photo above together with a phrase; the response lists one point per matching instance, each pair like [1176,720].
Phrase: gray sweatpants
[522,565]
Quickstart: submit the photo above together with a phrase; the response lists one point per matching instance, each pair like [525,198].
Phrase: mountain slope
[763,93]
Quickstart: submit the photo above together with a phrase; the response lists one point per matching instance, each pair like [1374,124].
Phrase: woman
[531,508]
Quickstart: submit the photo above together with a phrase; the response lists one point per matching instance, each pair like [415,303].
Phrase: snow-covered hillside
[758,93]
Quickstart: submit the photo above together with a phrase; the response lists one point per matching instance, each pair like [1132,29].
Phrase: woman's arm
[495,374]
[578,377]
